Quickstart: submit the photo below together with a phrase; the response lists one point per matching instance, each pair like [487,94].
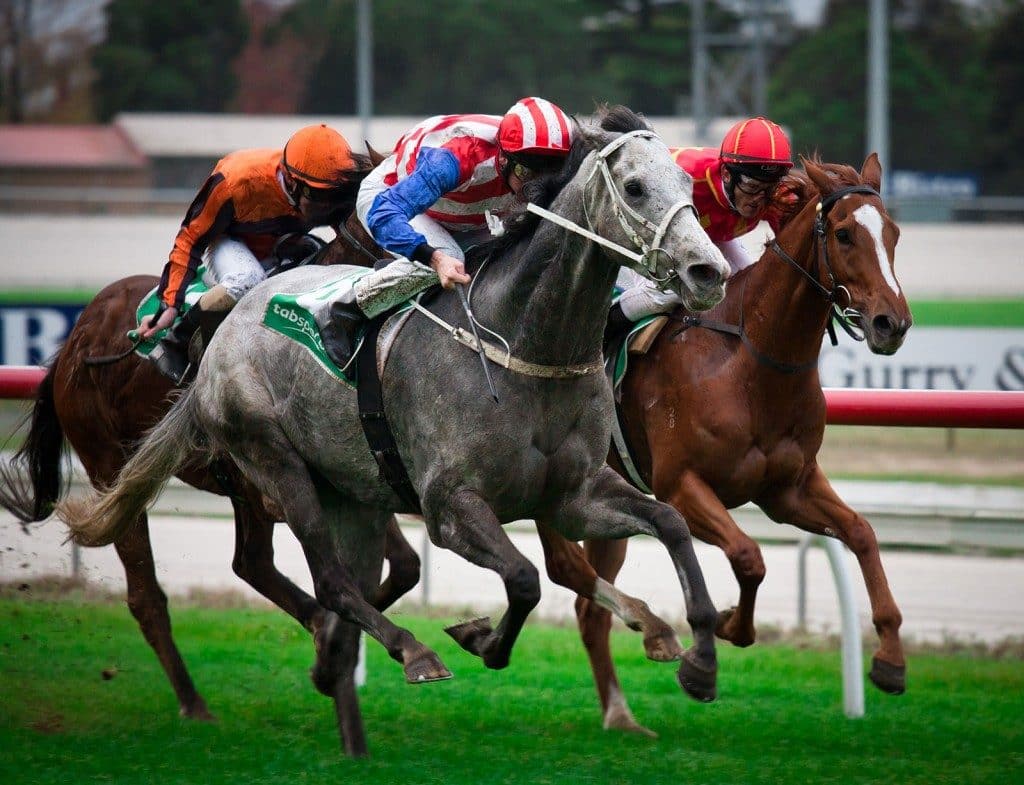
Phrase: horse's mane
[797,189]
[543,190]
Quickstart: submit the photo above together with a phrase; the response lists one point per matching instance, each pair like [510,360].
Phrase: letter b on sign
[29,335]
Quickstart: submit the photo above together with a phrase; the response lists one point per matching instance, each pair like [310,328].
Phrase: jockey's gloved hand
[156,322]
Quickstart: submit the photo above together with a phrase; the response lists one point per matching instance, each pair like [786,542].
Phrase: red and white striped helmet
[535,126]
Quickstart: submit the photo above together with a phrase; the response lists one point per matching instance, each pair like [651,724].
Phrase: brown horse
[719,418]
[103,410]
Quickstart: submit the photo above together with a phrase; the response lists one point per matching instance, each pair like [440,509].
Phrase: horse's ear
[818,176]
[375,157]
[871,172]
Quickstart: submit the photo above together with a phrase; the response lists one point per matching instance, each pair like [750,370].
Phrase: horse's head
[634,194]
[859,244]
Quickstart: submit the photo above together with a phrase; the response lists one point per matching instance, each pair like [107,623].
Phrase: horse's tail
[105,517]
[34,479]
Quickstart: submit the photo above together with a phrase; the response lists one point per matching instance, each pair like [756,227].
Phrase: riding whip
[476,337]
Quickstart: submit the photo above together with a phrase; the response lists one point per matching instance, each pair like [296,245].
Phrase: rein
[504,358]
[831,295]
[647,259]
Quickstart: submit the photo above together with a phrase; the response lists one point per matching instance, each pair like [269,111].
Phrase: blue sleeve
[436,173]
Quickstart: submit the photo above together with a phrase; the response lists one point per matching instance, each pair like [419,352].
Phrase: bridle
[846,316]
[830,293]
[647,259]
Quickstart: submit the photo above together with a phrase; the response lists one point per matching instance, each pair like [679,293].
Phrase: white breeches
[640,297]
[231,264]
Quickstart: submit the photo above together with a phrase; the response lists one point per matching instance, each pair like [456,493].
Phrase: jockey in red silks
[429,200]
[250,200]
[733,190]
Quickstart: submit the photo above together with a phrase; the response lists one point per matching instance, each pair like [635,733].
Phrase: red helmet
[318,156]
[534,126]
[757,148]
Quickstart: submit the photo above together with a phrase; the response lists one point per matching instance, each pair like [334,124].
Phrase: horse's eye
[843,236]
[634,188]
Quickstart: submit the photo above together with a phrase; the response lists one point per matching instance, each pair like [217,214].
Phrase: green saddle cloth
[150,303]
[616,366]
[295,317]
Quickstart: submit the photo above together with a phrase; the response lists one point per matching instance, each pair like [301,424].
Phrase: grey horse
[294,430]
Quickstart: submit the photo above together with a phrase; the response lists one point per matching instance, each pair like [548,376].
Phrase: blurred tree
[472,55]
[937,91]
[44,58]
[1004,66]
[465,56]
[168,56]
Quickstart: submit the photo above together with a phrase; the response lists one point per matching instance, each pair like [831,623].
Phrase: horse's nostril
[884,325]
[704,275]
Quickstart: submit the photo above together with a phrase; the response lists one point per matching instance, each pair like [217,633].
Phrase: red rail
[926,408]
[20,381]
[922,408]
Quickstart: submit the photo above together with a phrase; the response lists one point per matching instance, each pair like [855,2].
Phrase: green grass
[968,313]
[46,296]
[778,718]
[932,313]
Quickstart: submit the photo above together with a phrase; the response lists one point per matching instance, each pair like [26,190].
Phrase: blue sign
[931,185]
[31,334]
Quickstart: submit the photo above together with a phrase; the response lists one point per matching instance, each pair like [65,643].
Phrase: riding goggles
[751,186]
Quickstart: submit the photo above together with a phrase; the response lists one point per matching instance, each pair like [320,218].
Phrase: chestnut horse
[103,410]
[759,439]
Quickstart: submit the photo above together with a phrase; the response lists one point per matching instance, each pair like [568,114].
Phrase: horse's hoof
[696,681]
[472,635]
[888,677]
[663,647]
[197,711]
[425,668]
[620,718]
[724,629]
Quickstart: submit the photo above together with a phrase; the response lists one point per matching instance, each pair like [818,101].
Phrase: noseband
[647,259]
[841,314]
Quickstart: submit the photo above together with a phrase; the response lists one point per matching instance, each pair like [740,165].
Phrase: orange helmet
[534,126]
[318,156]
[757,148]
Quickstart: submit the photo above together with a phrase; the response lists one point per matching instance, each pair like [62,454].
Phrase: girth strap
[376,428]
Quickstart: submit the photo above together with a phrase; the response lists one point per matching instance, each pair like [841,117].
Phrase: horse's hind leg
[567,566]
[148,605]
[817,508]
[462,521]
[253,562]
[271,464]
[403,567]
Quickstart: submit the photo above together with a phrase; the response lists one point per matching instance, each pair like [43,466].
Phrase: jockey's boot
[341,334]
[376,293]
[171,355]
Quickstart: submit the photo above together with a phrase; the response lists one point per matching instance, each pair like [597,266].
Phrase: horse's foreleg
[463,522]
[567,565]
[711,522]
[815,507]
[607,557]
[614,509]
[148,605]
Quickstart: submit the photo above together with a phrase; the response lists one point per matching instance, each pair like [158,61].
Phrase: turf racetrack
[778,718]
